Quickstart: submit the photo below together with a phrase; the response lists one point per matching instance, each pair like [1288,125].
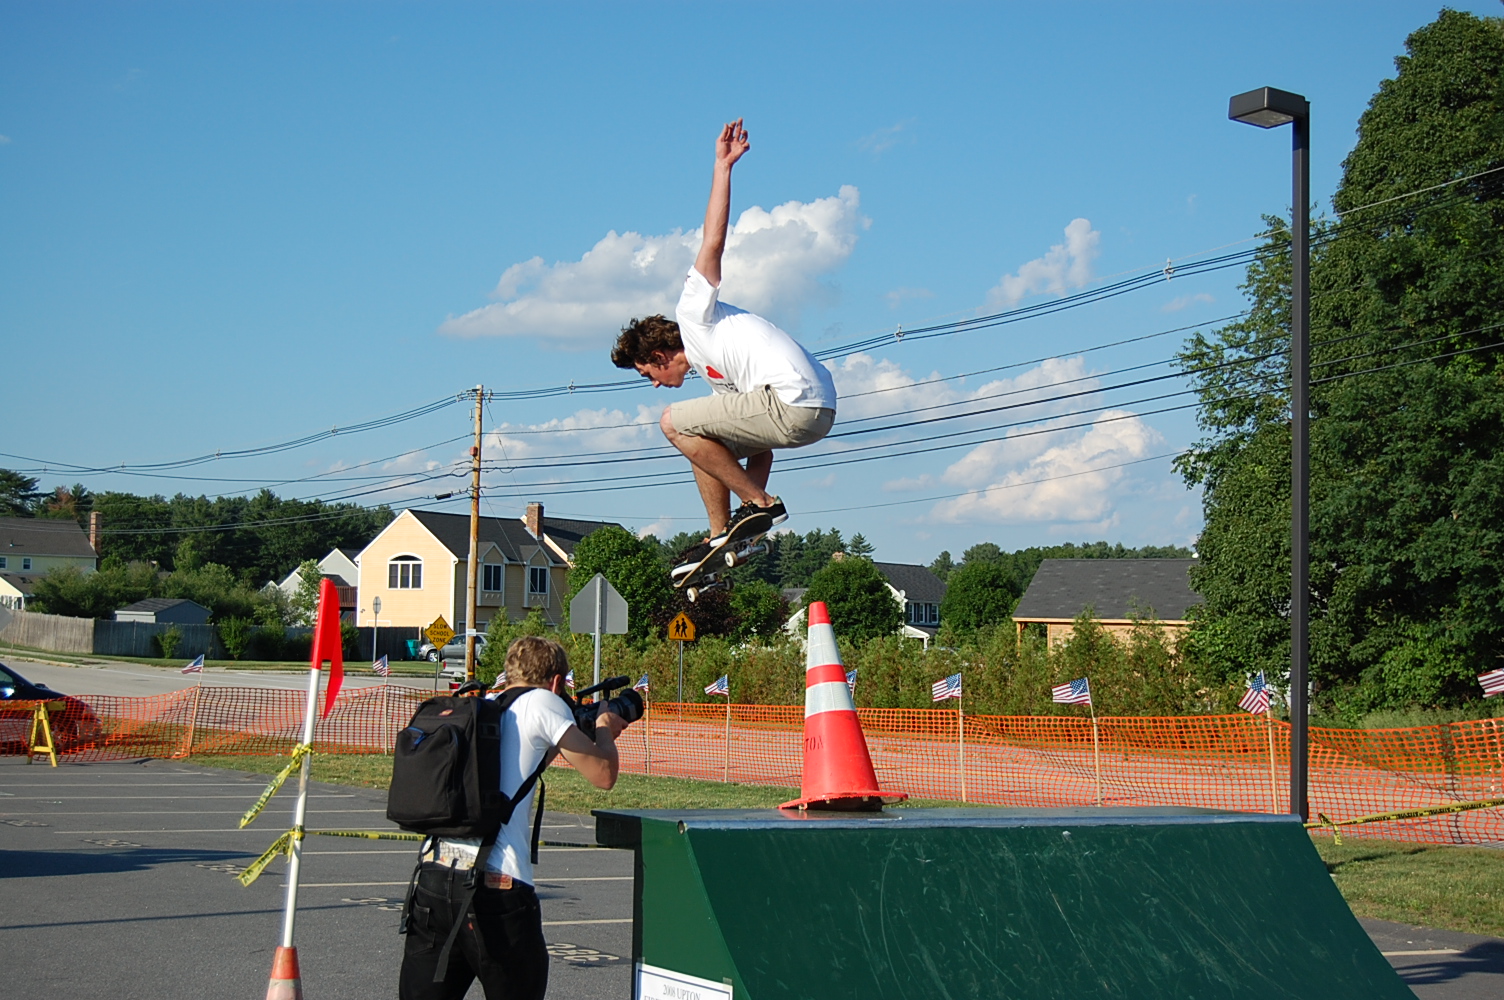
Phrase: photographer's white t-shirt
[738,351]
[530,728]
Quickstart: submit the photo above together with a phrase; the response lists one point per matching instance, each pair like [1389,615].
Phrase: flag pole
[961,738]
[193,715]
[386,712]
[1273,781]
[295,862]
[647,731]
[727,778]
[1096,751]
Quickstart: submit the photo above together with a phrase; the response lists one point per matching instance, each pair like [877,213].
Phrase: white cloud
[602,430]
[1013,470]
[773,265]
[870,386]
[885,139]
[896,297]
[1175,305]
[4,140]
[1066,266]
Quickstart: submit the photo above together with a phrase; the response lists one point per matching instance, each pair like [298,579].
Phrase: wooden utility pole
[473,588]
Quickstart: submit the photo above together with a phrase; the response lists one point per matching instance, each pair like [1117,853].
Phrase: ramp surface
[1017,903]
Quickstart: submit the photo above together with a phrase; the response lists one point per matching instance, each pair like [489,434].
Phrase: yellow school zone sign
[439,633]
[681,629]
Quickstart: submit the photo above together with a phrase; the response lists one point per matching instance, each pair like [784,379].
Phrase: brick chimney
[96,521]
[534,520]
[838,557]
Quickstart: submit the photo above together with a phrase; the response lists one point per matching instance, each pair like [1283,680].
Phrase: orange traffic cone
[286,983]
[837,768]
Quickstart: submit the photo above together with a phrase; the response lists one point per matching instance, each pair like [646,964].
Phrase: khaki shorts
[750,423]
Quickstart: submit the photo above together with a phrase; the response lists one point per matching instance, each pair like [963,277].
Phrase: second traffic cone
[286,982]
[837,768]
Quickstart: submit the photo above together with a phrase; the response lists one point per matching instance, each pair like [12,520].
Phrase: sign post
[375,621]
[681,630]
[600,610]
[439,633]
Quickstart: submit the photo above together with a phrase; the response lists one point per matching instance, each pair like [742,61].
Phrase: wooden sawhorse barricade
[40,742]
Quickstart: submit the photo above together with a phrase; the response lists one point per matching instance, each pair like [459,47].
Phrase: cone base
[859,801]
[286,981]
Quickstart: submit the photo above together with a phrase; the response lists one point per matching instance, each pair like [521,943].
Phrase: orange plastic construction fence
[1238,762]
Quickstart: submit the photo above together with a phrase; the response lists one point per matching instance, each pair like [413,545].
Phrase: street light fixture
[1269,108]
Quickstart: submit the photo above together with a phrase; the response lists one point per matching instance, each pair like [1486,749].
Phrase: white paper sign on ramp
[654,983]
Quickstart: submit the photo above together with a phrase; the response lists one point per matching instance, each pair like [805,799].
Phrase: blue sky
[224,226]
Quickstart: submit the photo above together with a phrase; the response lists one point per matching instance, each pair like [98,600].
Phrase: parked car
[74,727]
[455,650]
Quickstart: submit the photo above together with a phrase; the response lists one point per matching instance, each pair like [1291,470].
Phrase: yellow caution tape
[369,834]
[1454,807]
[298,753]
[282,845]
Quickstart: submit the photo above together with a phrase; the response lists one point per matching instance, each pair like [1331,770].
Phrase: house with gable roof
[1119,592]
[31,547]
[417,565]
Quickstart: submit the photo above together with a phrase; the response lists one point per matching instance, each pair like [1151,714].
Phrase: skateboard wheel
[692,594]
[730,558]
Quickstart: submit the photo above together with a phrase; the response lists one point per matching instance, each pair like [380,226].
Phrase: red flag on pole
[327,645]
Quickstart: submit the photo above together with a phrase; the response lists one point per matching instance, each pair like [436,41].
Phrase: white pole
[600,625]
[961,733]
[1273,781]
[727,777]
[1096,752]
[310,713]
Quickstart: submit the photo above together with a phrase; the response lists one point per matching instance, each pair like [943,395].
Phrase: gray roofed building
[561,534]
[177,610]
[1119,592]
[453,532]
[41,536]
[917,590]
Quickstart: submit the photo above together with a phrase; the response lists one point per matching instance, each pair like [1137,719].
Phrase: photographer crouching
[470,918]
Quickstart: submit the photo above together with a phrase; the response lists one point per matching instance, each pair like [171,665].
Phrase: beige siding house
[417,566]
[31,547]
[1119,592]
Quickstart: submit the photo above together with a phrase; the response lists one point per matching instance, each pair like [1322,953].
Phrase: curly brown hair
[642,339]
[535,661]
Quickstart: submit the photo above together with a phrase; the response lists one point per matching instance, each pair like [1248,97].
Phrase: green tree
[942,565]
[18,494]
[861,605]
[305,600]
[70,591]
[978,594]
[800,557]
[859,547]
[760,609]
[1407,440]
[634,567]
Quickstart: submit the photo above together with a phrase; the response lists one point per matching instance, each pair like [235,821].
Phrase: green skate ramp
[1179,904]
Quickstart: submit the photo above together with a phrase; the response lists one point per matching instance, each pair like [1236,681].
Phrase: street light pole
[1268,108]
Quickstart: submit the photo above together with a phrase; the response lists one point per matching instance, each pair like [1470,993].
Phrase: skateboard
[744,542]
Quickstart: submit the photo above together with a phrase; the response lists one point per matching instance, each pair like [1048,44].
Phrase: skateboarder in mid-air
[768,391]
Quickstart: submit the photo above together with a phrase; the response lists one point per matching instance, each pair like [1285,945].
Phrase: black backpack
[446,782]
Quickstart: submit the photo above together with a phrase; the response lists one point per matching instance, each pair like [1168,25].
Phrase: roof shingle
[1112,588]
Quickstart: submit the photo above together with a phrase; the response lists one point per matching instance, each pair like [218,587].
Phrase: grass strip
[1430,885]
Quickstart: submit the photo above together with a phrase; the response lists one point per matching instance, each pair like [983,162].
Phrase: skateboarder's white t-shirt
[738,351]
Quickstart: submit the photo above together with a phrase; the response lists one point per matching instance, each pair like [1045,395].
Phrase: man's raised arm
[728,149]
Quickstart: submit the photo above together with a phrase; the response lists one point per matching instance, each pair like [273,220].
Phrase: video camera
[627,705]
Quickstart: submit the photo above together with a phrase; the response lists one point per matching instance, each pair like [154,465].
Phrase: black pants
[501,945]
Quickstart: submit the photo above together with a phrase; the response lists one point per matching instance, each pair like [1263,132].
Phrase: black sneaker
[775,515]
[689,559]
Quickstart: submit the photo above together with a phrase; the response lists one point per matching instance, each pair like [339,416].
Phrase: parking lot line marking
[154,798]
[411,850]
[177,812]
[341,885]
[572,923]
[159,829]
[1427,951]
[588,878]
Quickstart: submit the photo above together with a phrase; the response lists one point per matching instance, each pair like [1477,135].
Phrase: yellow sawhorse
[42,727]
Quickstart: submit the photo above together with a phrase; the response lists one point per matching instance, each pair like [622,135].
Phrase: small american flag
[641,685]
[1077,692]
[1493,682]
[950,687]
[722,685]
[380,668]
[1256,698]
[851,681]
[569,680]
[196,667]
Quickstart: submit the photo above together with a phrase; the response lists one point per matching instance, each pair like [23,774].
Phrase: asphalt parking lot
[118,883]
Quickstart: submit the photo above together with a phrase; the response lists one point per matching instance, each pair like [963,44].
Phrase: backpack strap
[442,968]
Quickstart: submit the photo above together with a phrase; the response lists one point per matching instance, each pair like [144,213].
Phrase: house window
[26,562]
[916,613]
[933,613]
[537,581]
[404,573]
[491,577]
[2,562]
